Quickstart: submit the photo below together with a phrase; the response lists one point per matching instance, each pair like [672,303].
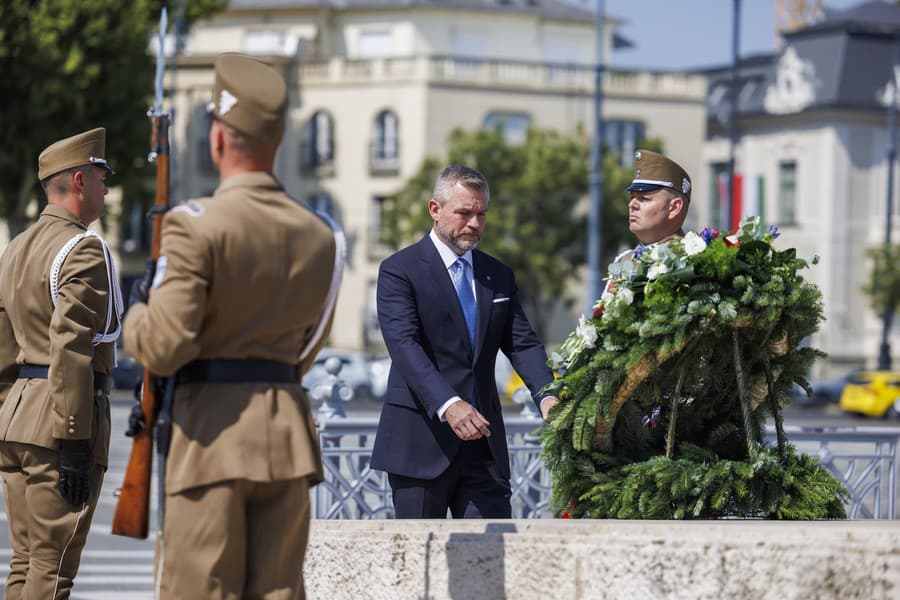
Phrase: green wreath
[664,392]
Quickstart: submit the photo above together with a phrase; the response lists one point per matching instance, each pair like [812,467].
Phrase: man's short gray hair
[60,184]
[453,174]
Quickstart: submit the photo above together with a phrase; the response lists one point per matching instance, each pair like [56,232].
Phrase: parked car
[354,372]
[873,393]
[823,392]
[126,372]
[830,390]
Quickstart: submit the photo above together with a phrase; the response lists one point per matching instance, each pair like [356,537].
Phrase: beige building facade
[378,86]
[813,123]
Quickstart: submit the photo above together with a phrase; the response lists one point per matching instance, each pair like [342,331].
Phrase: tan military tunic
[243,274]
[46,531]
[64,406]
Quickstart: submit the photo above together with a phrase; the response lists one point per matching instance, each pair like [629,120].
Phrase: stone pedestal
[561,559]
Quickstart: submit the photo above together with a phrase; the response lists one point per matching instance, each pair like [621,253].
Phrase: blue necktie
[466,297]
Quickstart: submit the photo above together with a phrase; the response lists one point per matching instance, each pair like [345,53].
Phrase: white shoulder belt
[114,289]
[340,255]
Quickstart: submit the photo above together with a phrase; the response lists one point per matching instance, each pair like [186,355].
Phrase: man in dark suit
[445,309]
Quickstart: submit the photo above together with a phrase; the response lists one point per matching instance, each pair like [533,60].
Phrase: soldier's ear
[216,142]
[676,206]
[78,182]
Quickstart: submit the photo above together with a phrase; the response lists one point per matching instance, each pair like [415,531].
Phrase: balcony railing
[503,73]
[863,460]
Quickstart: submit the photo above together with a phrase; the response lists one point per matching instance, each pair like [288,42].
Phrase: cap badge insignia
[637,155]
[226,102]
[685,185]
[637,172]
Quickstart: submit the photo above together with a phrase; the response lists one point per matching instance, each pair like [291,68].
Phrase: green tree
[68,66]
[883,286]
[537,213]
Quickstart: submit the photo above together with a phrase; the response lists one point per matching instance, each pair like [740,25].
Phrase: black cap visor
[101,162]
[643,187]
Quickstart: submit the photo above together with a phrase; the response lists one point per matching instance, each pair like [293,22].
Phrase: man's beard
[455,240]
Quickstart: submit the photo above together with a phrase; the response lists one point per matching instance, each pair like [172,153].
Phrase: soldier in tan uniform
[660,197]
[242,283]
[59,317]
[658,205]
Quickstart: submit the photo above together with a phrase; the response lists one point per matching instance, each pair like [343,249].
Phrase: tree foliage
[537,212]
[68,66]
[883,286]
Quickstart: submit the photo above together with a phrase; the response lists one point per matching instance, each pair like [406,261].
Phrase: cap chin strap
[653,182]
[340,256]
[113,280]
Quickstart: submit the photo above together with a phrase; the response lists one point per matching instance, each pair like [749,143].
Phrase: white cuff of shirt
[445,406]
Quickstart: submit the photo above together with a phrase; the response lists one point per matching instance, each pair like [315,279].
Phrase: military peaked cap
[249,96]
[88,148]
[653,171]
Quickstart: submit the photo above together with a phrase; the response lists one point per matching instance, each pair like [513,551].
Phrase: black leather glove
[140,289]
[136,421]
[75,462]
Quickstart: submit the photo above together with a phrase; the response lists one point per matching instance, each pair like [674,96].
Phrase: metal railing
[864,460]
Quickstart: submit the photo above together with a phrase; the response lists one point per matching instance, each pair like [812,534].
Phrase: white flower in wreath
[621,269]
[586,331]
[660,252]
[693,244]
[625,295]
[656,270]
[607,293]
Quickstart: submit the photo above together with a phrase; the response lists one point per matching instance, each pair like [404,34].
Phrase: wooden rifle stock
[132,515]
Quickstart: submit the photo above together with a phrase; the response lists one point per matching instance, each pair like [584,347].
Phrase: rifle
[131,518]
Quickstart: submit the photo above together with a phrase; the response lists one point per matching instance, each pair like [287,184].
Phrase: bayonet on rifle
[132,514]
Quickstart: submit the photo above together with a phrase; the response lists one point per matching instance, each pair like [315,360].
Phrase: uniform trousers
[234,539]
[47,533]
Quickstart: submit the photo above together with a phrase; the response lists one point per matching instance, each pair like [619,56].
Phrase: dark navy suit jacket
[433,360]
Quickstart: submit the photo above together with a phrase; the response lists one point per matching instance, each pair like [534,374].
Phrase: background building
[813,132]
[376,86]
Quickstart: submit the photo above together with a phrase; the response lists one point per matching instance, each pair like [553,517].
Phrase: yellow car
[873,393]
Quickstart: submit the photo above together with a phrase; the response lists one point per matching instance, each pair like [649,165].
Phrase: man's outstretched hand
[467,423]
[547,404]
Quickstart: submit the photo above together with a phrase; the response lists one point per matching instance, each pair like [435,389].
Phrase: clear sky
[681,34]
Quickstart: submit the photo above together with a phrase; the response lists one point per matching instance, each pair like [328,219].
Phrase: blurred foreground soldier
[660,197]
[237,308]
[60,307]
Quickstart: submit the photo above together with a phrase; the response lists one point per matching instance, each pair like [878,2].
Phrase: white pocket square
[496,300]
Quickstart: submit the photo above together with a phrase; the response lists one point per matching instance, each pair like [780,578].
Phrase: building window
[718,195]
[322,202]
[204,160]
[378,219]
[513,125]
[787,192]
[270,42]
[385,155]
[623,137]
[376,44]
[317,152]
[468,44]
